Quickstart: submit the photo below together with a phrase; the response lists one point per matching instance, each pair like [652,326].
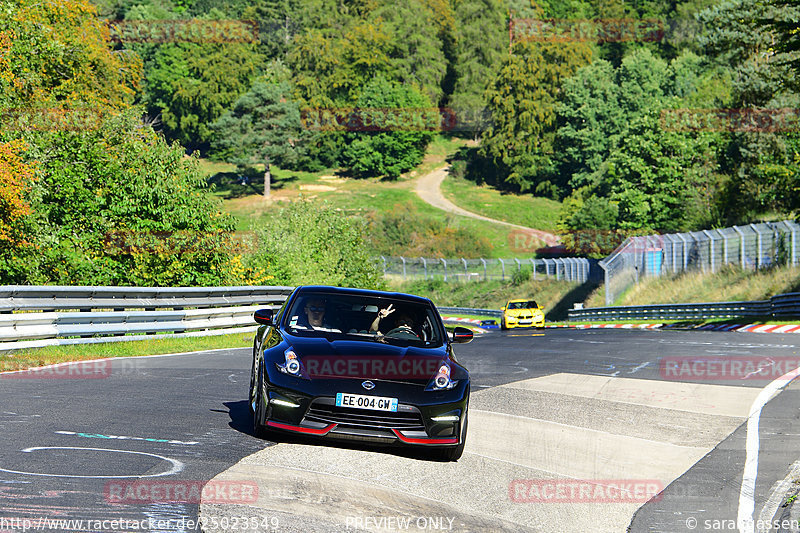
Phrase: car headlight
[442,381]
[291,364]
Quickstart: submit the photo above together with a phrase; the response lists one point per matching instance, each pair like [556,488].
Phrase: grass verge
[34,357]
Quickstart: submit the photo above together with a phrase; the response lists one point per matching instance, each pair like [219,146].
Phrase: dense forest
[645,115]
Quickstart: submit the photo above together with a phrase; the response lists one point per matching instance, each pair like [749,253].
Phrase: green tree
[400,145]
[263,127]
[481,41]
[591,120]
[418,30]
[522,99]
[190,85]
[56,54]
[655,176]
[118,205]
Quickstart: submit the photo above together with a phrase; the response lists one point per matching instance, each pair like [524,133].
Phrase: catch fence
[753,246]
[461,269]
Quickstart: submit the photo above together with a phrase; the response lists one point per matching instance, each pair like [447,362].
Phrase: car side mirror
[462,335]
[263,316]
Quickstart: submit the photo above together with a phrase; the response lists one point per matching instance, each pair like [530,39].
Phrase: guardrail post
[403,259]
[558,272]
[533,265]
[484,268]
[503,264]
[519,265]
[759,244]
[741,242]
[711,250]
[724,247]
[466,274]
[425,266]
[444,262]
[794,245]
[685,251]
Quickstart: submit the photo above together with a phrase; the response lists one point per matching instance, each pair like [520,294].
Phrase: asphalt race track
[569,430]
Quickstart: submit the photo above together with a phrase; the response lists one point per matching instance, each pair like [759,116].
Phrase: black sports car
[358,364]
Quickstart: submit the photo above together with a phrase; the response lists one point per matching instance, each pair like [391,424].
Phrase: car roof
[521,300]
[362,292]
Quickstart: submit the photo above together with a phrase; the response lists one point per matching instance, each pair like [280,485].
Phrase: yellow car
[522,314]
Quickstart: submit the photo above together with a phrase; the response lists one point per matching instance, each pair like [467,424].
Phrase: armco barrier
[34,316]
[783,305]
[469,311]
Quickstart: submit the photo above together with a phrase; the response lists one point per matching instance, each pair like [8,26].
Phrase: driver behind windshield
[314,311]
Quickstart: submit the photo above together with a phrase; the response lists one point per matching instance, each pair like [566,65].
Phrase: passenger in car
[404,324]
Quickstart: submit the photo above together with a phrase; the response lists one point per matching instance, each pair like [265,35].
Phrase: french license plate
[358,401]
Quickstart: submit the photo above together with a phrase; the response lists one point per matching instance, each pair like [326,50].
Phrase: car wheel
[503,324]
[259,427]
[251,392]
[454,453]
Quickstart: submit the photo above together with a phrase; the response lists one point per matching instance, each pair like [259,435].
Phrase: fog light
[283,403]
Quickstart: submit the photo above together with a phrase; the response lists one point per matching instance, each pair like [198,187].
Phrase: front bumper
[315,413]
[520,322]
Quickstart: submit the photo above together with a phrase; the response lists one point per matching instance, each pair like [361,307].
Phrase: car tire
[503,324]
[259,416]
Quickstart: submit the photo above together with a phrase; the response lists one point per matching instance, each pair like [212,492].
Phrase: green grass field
[522,209]
[360,196]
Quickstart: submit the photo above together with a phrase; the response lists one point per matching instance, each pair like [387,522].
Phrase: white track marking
[747,492]
[177,466]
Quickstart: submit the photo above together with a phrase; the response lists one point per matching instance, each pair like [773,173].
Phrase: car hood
[518,312]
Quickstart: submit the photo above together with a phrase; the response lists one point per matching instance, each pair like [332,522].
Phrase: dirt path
[428,187]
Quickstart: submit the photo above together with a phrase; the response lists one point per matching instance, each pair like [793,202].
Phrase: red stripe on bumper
[300,429]
[409,440]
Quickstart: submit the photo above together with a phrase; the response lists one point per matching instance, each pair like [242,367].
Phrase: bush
[309,243]
[404,231]
[389,153]
[119,206]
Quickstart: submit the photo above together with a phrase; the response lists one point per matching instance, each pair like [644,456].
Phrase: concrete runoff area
[315,486]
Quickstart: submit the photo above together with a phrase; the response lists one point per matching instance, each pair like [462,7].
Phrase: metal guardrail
[35,316]
[469,311]
[782,305]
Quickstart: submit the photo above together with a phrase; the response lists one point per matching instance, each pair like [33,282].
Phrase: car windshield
[523,305]
[364,317]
